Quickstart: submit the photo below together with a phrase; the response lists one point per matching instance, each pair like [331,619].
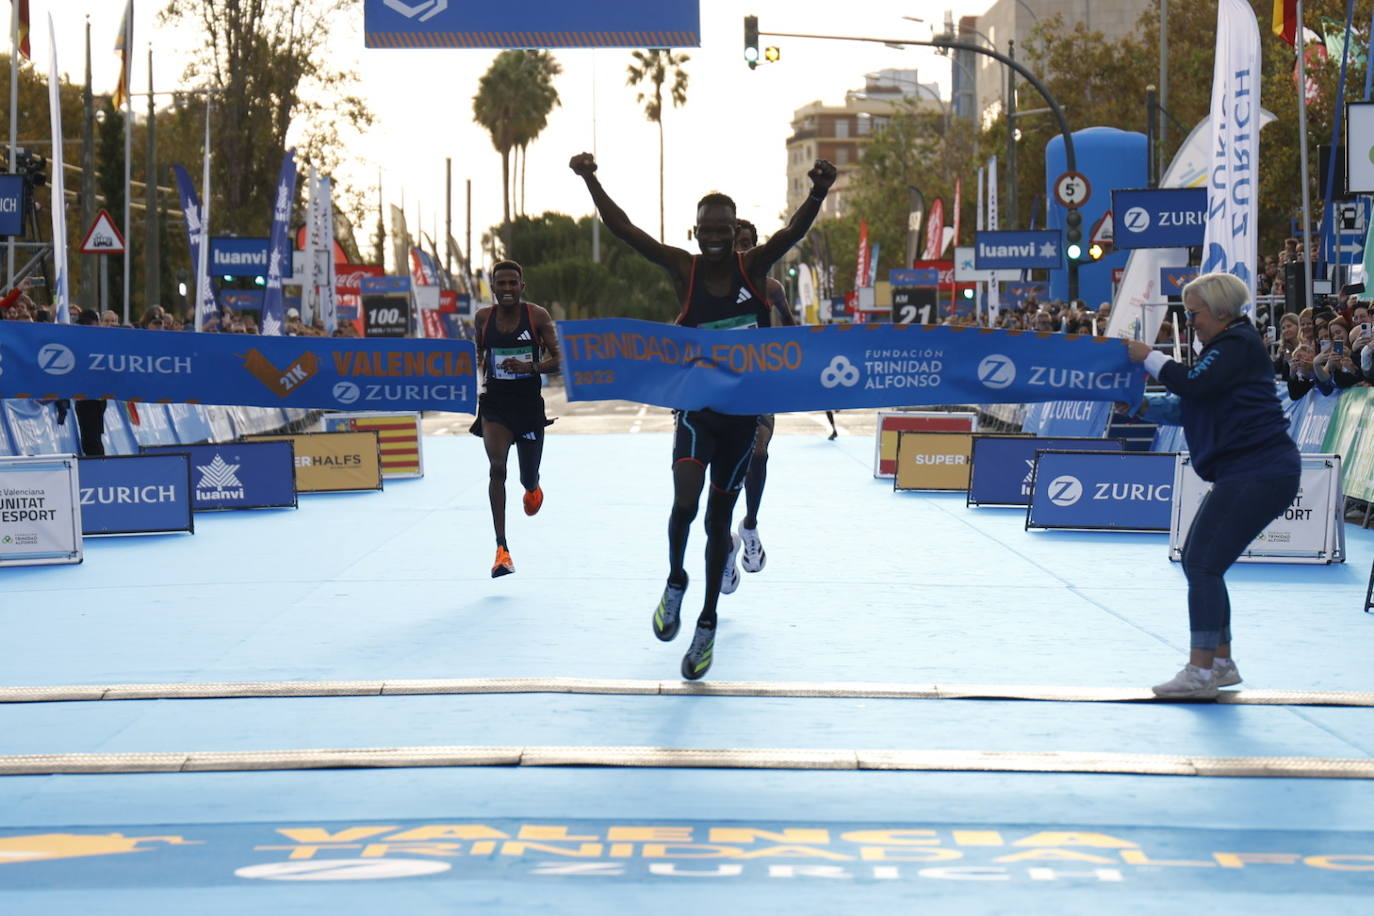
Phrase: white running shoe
[1191,683]
[1228,675]
[753,557]
[729,580]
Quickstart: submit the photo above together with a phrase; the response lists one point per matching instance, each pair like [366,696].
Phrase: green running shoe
[697,661]
[666,615]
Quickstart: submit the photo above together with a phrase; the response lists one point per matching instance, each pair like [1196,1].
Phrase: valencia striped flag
[1286,20]
[23,36]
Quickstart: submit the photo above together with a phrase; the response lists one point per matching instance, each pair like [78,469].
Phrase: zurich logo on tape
[347,392]
[425,9]
[55,359]
[1065,490]
[996,371]
[840,372]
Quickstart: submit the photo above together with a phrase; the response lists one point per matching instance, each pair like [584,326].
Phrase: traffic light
[792,271]
[1073,235]
[772,54]
[1096,251]
[751,41]
[968,293]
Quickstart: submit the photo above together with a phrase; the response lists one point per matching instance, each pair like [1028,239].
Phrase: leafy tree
[513,101]
[269,64]
[655,67]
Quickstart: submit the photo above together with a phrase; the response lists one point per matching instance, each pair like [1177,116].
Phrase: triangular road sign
[103,236]
[1103,231]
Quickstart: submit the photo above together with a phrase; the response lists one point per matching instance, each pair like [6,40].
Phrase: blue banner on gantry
[531,24]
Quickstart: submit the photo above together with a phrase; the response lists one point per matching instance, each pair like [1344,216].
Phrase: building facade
[839,133]
[1014,21]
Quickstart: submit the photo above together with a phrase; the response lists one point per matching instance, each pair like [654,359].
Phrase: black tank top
[742,307]
[522,344]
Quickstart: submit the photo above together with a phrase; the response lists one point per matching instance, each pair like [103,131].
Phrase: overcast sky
[730,136]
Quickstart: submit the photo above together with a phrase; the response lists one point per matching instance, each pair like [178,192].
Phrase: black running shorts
[722,443]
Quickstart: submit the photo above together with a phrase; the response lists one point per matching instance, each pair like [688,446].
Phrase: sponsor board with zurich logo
[136,494]
[1102,491]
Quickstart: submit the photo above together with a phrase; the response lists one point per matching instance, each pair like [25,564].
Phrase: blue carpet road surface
[861,585]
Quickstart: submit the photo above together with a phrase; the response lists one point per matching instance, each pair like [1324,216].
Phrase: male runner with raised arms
[720,288]
[515,342]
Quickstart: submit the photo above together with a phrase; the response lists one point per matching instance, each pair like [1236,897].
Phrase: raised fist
[822,175]
[583,164]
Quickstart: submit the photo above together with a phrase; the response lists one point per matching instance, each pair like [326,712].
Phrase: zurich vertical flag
[279,246]
[1232,232]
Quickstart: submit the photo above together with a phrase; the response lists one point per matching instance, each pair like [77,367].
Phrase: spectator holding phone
[1332,367]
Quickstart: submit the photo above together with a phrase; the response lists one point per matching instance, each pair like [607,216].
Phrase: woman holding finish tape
[1238,439]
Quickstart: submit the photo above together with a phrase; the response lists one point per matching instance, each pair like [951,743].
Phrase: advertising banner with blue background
[11,205]
[1159,217]
[1003,467]
[239,475]
[1068,418]
[927,276]
[1130,491]
[531,24]
[136,494]
[77,361]
[775,370]
[232,256]
[1026,250]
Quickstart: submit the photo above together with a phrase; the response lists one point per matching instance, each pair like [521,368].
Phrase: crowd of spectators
[18,305]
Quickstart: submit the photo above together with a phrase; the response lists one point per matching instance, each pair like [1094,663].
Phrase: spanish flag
[1286,20]
[24,29]
[123,45]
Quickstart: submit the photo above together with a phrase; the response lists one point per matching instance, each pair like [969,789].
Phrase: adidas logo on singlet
[524,335]
[744,295]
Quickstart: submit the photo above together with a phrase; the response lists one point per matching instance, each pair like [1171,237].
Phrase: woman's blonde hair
[1223,294]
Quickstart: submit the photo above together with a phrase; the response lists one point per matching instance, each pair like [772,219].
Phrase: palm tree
[513,101]
[654,66]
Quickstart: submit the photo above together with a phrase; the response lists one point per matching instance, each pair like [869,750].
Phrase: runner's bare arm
[764,256]
[676,261]
[548,339]
[777,298]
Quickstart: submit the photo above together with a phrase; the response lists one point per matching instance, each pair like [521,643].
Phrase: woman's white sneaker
[1192,683]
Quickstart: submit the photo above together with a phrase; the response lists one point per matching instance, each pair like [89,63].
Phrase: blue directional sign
[531,24]
[11,205]
[1026,250]
[1159,217]
[231,256]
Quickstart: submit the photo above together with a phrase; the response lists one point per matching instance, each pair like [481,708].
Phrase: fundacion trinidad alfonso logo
[840,372]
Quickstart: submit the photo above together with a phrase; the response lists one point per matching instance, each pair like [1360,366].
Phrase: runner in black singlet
[515,342]
[718,289]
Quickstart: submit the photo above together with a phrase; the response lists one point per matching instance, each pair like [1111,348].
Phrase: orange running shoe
[533,500]
[504,565]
